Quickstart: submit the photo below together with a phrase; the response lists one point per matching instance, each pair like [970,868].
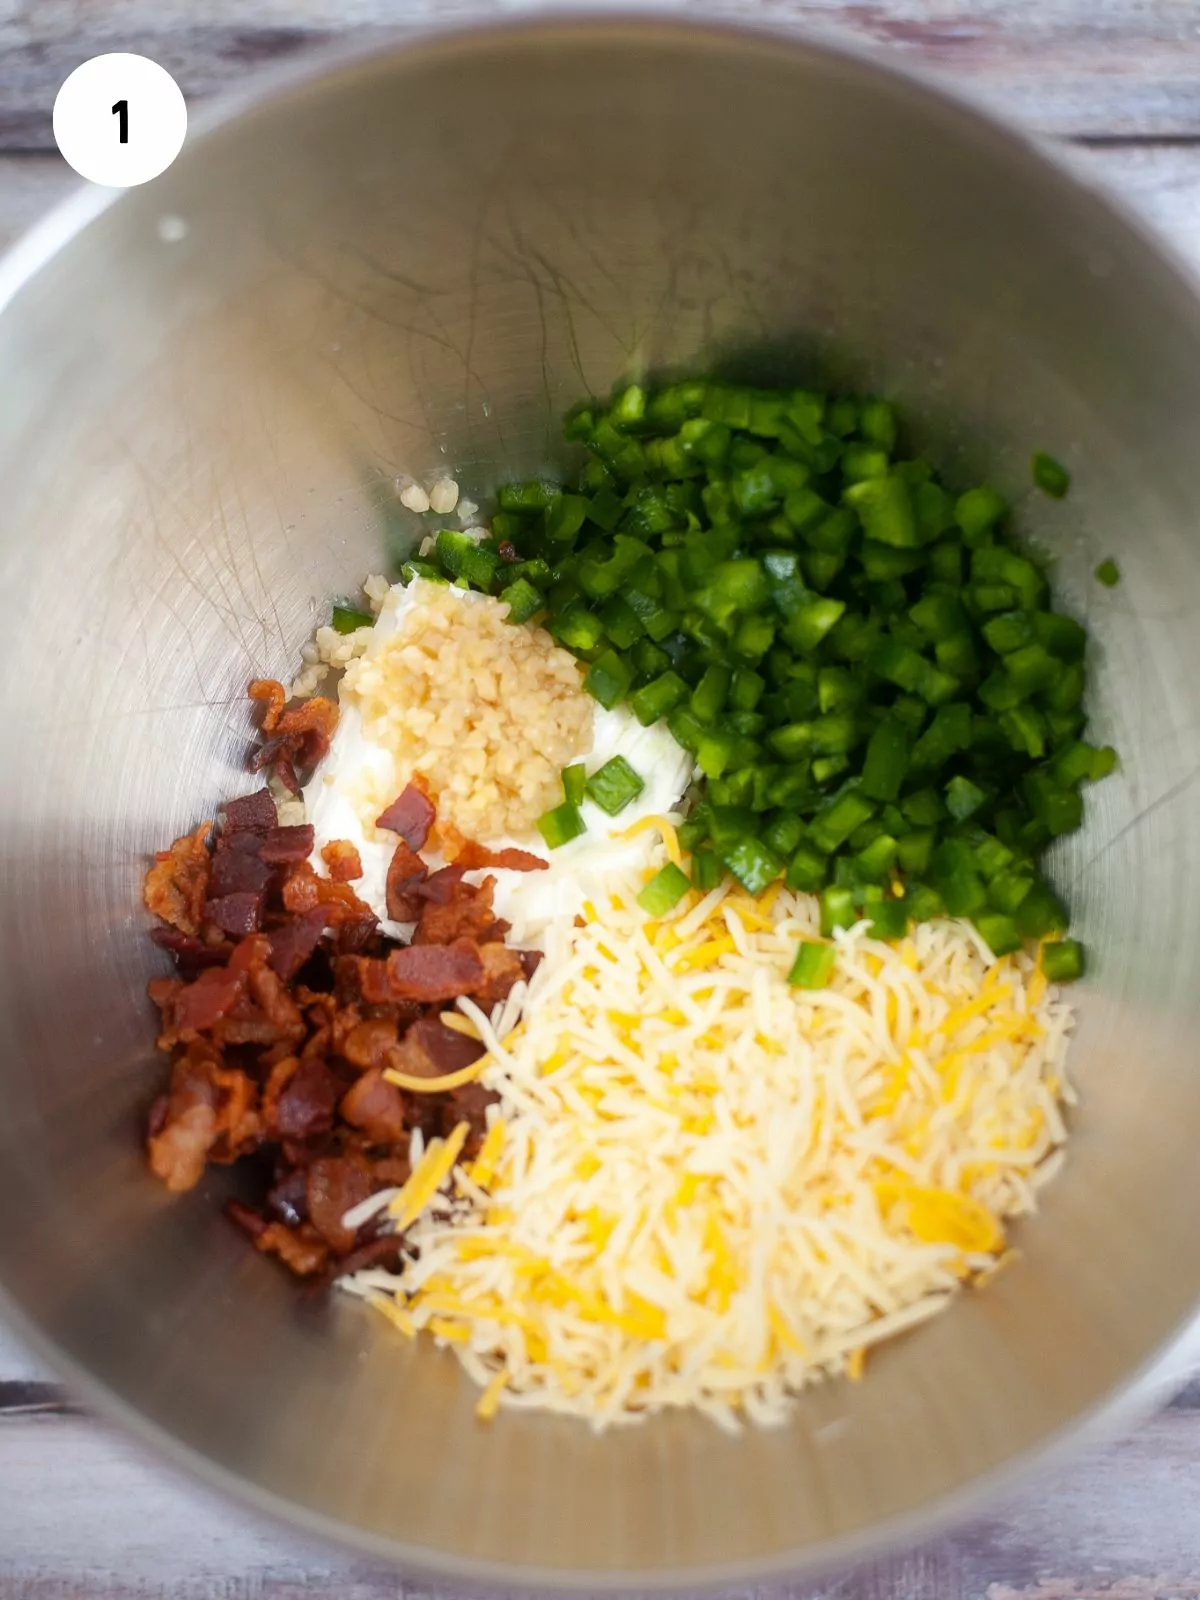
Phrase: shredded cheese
[434,1167]
[449,1080]
[702,1187]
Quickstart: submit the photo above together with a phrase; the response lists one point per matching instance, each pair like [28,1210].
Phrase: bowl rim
[1129,1401]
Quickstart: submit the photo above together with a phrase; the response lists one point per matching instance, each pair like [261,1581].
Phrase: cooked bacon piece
[382,1251]
[430,973]
[192,1008]
[531,960]
[295,941]
[301,1249]
[502,968]
[431,1050]
[311,719]
[411,816]
[191,955]
[468,1104]
[287,1198]
[255,812]
[210,1115]
[442,886]
[176,886]
[248,1220]
[299,1099]
[390,1171]
[246,1024]
[317,717]
[342,859]
[284,845]
[367,1044]
[274,697]
[298,738]
[236,870]
[237,914]
[281,766]
[377,1107]
[472,856]
[405,871]
[373,984]
[272,995]
[248,954]
[334,1184]
[468,916]
[347,982]
[303,890]
[355,934]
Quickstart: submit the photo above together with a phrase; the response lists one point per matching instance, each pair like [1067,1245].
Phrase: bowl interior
[417,262]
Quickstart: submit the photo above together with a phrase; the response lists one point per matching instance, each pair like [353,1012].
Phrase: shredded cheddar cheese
[701,1187]
[449,1080]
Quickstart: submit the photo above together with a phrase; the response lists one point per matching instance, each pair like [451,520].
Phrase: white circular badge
[120,120]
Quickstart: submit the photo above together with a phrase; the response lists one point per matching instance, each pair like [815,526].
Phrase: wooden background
[1118,83]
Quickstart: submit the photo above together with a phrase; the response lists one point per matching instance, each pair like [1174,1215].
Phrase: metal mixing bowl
[417,261]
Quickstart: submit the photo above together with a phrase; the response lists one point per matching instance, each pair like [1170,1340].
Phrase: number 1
[121,112]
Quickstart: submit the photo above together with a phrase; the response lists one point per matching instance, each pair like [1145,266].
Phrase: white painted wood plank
[1065,66]
[1159,183]
[82,1512]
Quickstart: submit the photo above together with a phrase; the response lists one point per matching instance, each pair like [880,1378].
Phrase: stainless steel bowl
[416,261]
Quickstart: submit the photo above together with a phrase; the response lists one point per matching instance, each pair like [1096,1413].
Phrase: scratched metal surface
[83,1512]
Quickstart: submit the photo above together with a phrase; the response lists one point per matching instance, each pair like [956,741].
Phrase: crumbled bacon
[381,1251]
[377,1107]
[295,941]
[303,889]
[287,1198]
[299,1099]
[302,1250]
[191,955]
[288,1005]
[246,1218]
[334,1185]
[235,913]
[434,972]
[210,1115]
[274,697]
[342,859]
[432,1050]
[237,871]
[411,816]
[282,845]
[255,812]
[297,739]
[177,883]
[468,1103]
[441,886]
[468,915]
[405,871]
[189,1009]
[368,1043]
[471,856]
[502,967]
